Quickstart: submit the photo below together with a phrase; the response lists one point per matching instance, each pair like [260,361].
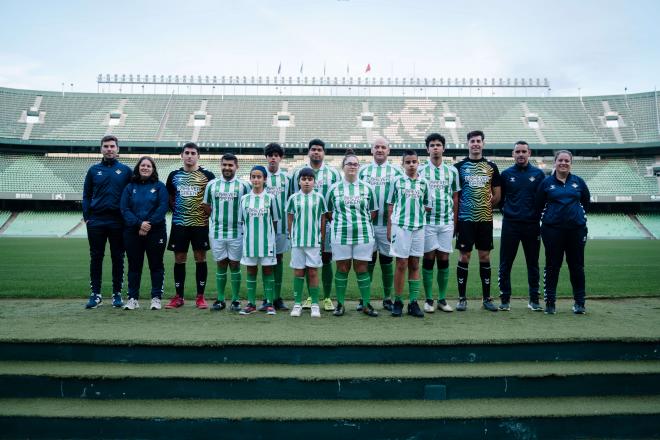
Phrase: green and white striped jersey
[307,210]
[258,212]
[351,205]
[224,198]
[380,177]
[277,185]
[443,183]
[325,177]
[409,197]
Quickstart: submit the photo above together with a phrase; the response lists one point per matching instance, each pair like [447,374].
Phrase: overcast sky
[598,46]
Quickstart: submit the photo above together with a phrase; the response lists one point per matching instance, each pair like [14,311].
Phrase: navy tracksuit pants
[514,233]
[153,244]
[557,242]
[97,237]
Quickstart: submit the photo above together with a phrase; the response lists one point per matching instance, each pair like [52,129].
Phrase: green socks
[277,272]
[298,285]
[443,280]
[427,277]
[326,276]
[269,284]
[315,294]
[364,284]
[221,281]
[341,280]
[413,288]
[236,284]
[370,267]
[252,289]
[388,279]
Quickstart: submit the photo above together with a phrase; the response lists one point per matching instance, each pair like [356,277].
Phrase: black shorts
[182,236]
[477,234]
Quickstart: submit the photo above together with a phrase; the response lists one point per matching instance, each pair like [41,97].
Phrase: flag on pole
[348,71]
[301,68]
[324,68]
[279,69]
[368,69]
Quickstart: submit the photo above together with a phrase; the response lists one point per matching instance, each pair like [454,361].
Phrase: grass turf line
[66,321]
[332,409]
[59,268]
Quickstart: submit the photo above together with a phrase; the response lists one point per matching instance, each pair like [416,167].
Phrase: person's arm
[171,190]
[289,223]
[496,192]
[130,219]
[323,227]
[158,216]
[585,198]
[495,186]
[456,199]
[540,199]
[389,221]
[88,192]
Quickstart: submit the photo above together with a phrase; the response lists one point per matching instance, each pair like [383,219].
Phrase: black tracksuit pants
[153,244]
[557,242]
[97,237]
[514,233]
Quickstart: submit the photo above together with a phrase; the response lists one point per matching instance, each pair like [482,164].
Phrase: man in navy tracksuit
[520,224]
[563,199]
[104,184]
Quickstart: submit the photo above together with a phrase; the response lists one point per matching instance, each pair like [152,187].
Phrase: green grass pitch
[59,268]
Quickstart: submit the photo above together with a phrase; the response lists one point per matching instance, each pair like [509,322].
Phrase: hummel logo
[461,280]
[100,173]
[552,187]
[160,241]
[512,179]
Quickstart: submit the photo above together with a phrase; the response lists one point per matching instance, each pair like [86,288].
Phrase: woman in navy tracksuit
[143,206]
[563,199]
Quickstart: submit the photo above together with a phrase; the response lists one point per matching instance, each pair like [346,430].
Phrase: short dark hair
[349,153]
[318,142]
[190,146]
[108,138]
[306,172]
[434,137]
[474,133]
[136,171]
[520,143]
[272,149]
[230,157]
[408,153]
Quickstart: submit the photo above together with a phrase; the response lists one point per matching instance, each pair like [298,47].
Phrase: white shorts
[438,237]
[259,261]
[224,248]
[361,252]
[282,243]
[382,244]
[407,243]
[303,257]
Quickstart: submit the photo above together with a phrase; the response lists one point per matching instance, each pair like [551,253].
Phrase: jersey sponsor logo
[225,196]
[377,181]
[353,200]
[256,212]
[477,181]
[275,190]
[438,184]
[188,190]
[411,193]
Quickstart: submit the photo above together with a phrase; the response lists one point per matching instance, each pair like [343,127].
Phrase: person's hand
[145,226]
[142,233]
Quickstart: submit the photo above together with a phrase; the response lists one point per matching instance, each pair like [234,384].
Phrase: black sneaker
[534,306]
[488,305]
[369,311]
[387,304]
[235,306]
[461,306]
[579,309]
[360,306]
[264,306]
[504,306]
[414,310]
[339,310]
[218,305]
[549,309]
[279,304]
[397,309]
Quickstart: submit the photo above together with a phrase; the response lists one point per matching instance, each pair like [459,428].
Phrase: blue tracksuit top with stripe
[144,201]
[563,205]
[104,185]
[519,185]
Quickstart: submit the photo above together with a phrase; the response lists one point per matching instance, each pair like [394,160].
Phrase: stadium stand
[612,226]
[42,224]
[651,222]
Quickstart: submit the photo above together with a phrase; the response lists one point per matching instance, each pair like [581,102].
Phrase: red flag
[368,69]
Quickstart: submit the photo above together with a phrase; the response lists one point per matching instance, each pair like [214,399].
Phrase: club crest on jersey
[532,178]
[552,187]
[574,185]
[118,171]
[100,173]
[153,190]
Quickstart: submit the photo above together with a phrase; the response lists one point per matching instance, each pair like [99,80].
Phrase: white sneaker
[297,310]
[155,303]
[429,306]
[131,304]
[442,305]
[316,311]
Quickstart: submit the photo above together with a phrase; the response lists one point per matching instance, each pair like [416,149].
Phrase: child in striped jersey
[259,216]
[306,225]
[408,204]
